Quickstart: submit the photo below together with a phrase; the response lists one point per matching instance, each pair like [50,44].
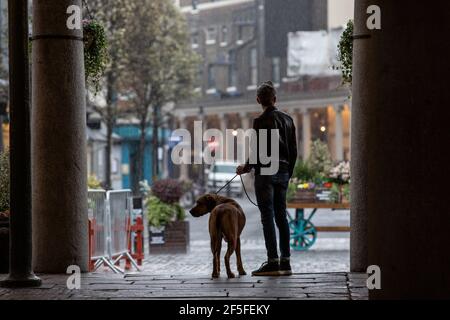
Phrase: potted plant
[4,212]
[168,230]
[340,178]
[309,183]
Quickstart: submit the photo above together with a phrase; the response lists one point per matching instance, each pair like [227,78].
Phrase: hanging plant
[96,56]
[345,54]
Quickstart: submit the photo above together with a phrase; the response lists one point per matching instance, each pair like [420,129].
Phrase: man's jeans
[271,196]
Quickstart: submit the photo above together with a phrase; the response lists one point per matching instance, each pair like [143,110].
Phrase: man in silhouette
[271,189]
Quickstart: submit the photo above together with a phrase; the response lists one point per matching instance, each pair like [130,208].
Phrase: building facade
[245,42]
[96,152]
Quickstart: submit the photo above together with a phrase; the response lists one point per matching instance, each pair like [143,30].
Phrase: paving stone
[145,286]
[356,275]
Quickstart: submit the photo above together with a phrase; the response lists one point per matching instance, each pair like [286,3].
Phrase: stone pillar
[306,133]
[245,120]
[359,147]
[184,170]
[20,262]
[400,108]
[223,122]
[60,222]
[339,134]
[349,105]
[294,115]
[223,128]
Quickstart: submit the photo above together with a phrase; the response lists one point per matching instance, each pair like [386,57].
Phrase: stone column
[223,122]
[60,222]
[339,134]
[350,128]
[20,262]
[400,108]
[223,128]
[184,170]
[294,115]
[360,133]
[245,120]
[306,133]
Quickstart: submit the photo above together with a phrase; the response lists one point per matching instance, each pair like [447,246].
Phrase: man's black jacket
[272,118]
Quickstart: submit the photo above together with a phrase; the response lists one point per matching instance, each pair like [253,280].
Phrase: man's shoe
[271,268]
[285,267]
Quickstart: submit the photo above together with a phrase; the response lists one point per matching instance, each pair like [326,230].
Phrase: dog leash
[248,197]
[243,186]
[218,191]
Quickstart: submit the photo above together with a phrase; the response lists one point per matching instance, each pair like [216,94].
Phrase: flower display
[340,174]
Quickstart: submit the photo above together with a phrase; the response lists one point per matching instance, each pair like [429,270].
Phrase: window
[276,70]
[211,77]
[224,36]
[240,39]
[199,79]
[253,67]
[115,166]
[211,35]
[194,40]
[232,72]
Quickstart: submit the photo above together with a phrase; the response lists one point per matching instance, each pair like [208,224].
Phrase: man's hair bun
[266,92]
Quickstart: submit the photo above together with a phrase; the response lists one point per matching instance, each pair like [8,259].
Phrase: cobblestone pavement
[108,286]
[329,254]
[321,272]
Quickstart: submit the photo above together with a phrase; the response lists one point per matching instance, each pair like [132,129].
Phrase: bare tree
[161,67]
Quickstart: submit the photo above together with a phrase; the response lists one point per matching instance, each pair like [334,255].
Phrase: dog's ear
[211,201]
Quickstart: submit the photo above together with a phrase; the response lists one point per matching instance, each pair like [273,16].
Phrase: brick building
[243,43]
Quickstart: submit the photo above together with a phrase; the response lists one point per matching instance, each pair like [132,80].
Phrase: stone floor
[320,273]
[107,286]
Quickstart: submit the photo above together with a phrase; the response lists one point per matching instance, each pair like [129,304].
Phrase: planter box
[323,195]
[4,246]
[320,195]
[174,238]
[304,196]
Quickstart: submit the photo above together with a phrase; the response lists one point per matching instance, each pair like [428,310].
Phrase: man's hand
[242,169]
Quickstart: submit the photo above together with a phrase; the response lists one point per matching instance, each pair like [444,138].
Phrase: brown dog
[226,222]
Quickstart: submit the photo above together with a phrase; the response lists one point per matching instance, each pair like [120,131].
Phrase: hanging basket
[96,56]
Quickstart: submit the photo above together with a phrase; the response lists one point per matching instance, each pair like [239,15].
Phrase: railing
[110,229]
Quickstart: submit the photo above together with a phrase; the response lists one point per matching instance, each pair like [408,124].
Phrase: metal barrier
[98,229]
[109,236]
[120,208]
